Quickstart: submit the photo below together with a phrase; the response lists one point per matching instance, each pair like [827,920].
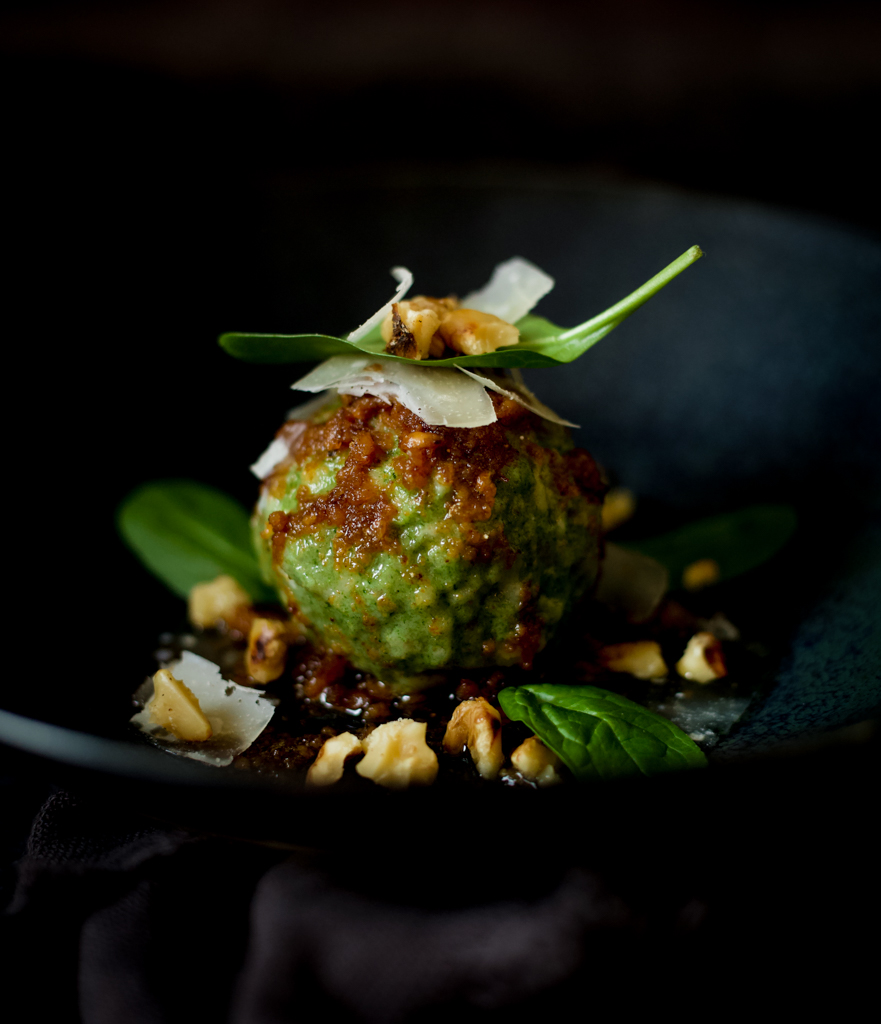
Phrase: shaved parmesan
[631,583]
[519,392]
[439,396]
[405,282]
[515,287]
[306,410]
[237,714]
[276,452]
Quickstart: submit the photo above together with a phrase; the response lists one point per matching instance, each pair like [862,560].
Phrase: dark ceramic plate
[752,378]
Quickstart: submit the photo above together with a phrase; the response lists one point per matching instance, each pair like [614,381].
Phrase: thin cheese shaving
[515,287]
[521,394]
[439,396]
[405,283]
[237,714]
[276,452]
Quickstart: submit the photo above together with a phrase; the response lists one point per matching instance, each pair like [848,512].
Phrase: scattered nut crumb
[618,506]
[397,755]
[223,601]
[702,573]
[641,658]
[327,768]
[267,649]
[536,762]
[703,660]
[478,726]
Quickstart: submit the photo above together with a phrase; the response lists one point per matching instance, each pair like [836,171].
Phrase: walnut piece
[421,327]
[703,660]
[536,762]
[397,756]
[474,333]
[478,726]
[327,768]
[641,658]
[410,329]
[700,574]
[222,601]
[267,649]
[618,506]
[176,709]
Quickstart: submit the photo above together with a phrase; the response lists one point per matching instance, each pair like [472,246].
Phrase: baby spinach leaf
[736,541]
[187,533]
[285,348]
[599,734]
[541,343]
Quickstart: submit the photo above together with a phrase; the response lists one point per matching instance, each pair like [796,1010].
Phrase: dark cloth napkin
[121,920]
[117,919]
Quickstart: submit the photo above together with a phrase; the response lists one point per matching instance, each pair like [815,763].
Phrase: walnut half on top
[425,327]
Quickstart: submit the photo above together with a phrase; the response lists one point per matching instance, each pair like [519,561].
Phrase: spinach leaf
[599,734]
[541,343]
[736,541]
[186,533]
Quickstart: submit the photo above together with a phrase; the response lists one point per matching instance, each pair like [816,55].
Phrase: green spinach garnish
[736,541]
[599,734]
[541,343]
[187,533]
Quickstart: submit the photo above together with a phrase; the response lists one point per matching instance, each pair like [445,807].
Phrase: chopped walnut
[267,649]
[536,762]
[641,658]
[474,333]
[397,755]
[700,574]
[327,768]
[174,707]
[703,660]
[478,726]
[618,506]
[223,601]
[410,329]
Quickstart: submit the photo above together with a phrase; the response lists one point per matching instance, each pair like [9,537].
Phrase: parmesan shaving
[515,287]
[276,452]
[237,714]
[521,394]
[306,410]
[405,283]
[439,396]
[631,583]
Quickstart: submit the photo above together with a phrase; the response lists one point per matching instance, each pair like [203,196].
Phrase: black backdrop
[146,148]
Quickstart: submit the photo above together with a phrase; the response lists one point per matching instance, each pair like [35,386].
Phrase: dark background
[168,169]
